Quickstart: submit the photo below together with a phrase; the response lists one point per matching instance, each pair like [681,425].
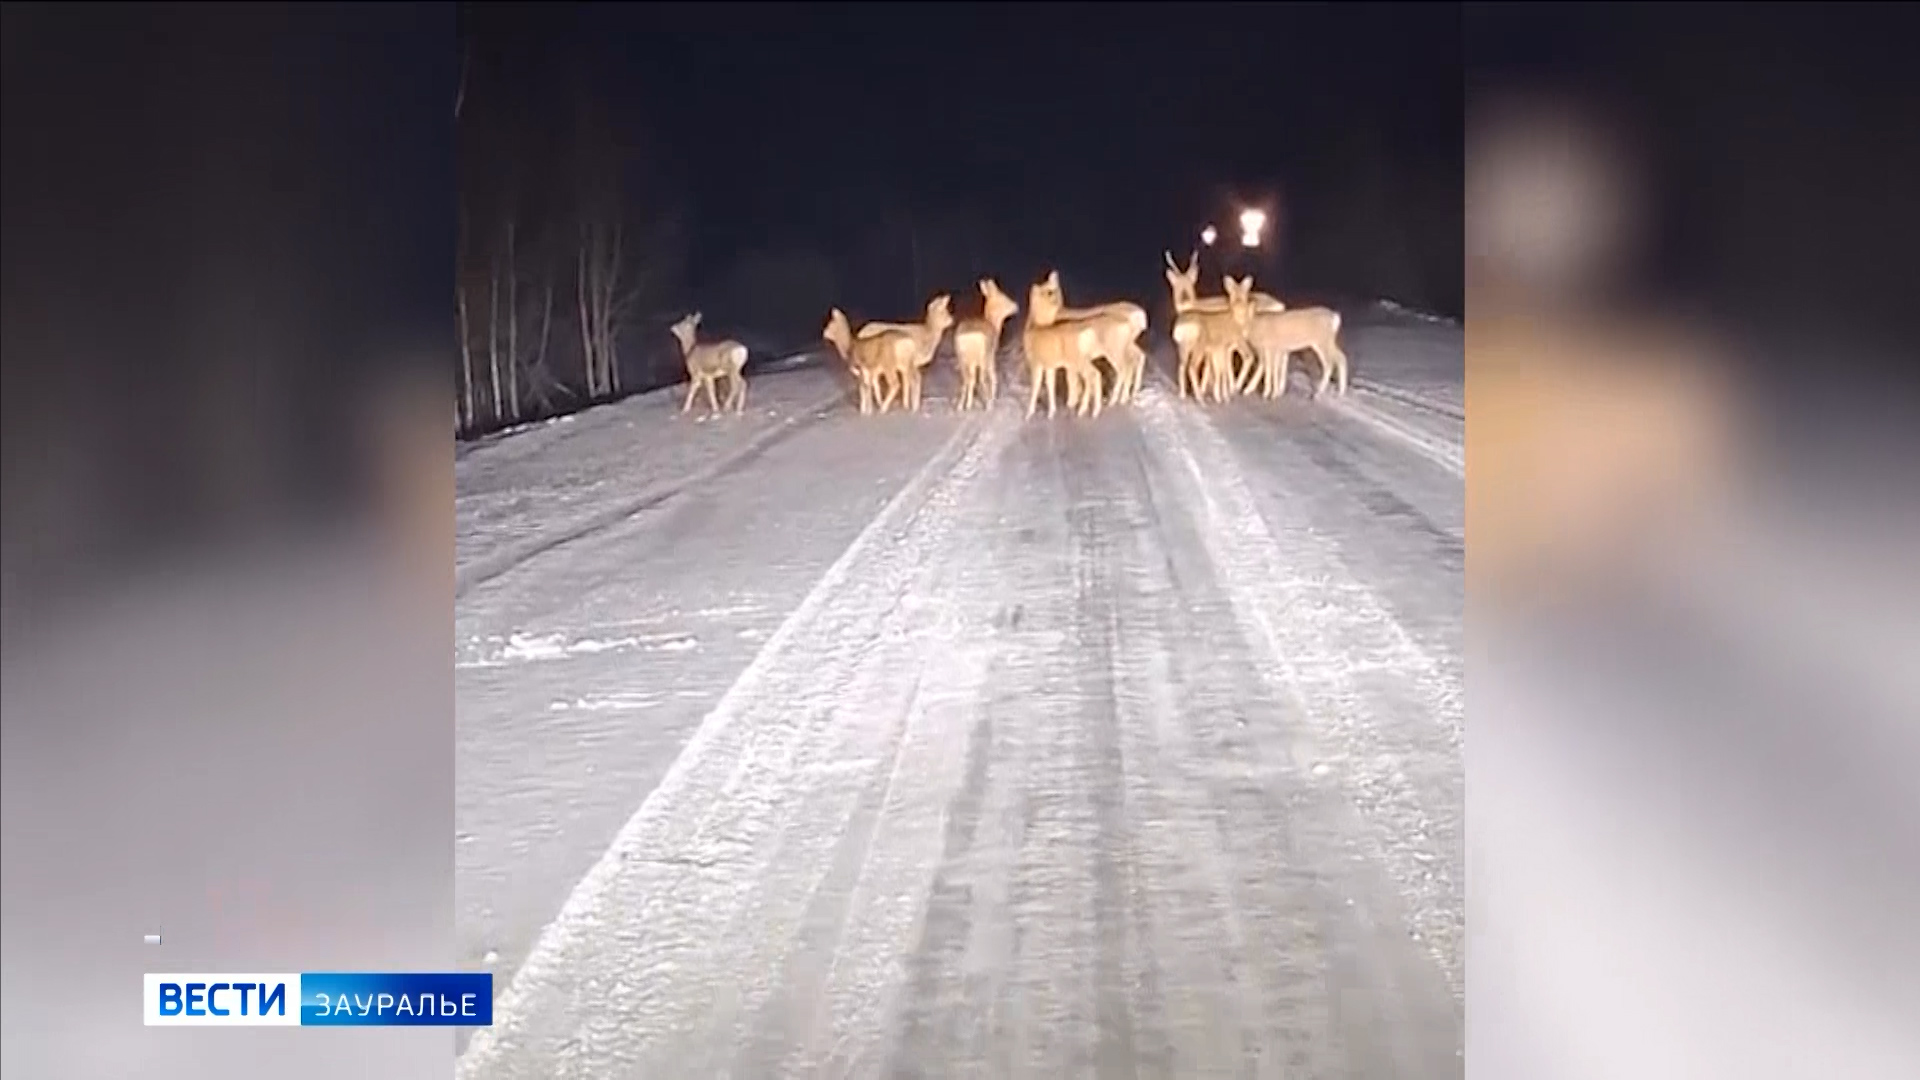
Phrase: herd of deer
[1233,344]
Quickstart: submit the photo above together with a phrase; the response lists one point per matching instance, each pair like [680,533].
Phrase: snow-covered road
[806,744]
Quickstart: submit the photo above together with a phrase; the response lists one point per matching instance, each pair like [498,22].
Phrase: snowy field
[806,744]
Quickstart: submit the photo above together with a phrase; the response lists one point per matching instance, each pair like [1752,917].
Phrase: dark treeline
[570,227]
[618,169]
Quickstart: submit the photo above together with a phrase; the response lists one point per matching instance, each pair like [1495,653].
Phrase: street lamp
[1251,223]
[1208,235]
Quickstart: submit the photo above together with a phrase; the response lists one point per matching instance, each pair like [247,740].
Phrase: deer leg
[740,403]
[1252,376]
[693,387]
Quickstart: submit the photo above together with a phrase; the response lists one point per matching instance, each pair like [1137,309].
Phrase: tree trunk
[465,403]
[493,334]
[513,328]
[546,322]
[532,376]
[581,288]
[613,362]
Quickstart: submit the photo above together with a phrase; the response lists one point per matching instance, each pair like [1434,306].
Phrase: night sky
[871,141]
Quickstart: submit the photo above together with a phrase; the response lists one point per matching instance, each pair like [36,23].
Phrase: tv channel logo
[320,999]
[222,1000]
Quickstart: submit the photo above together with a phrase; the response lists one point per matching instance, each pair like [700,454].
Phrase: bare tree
[460,89]
[466,408]
[494,136]
[609,281]
[554,245]
[545,389]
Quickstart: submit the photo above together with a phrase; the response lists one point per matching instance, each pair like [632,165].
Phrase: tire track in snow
[1337,651]
[1412,398]
[495,564]
[655,961]
[1448,455]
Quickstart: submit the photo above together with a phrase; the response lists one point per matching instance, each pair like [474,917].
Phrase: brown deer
[1276,335]
[709,362]
[1184,285]
[870,368]
[902,351]
[1118,325]
[1065,347]
[976,345]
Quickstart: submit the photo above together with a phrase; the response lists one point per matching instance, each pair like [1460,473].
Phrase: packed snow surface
[800,743]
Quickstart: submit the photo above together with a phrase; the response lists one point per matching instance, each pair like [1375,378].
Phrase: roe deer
[709,362]
[1066,347]
[976,345]
[1276,335]
[1118,326]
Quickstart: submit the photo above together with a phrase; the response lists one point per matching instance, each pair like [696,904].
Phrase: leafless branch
[460,90]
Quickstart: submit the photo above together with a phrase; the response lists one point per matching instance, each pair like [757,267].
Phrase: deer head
[1184,282]
[683,331]
[1046,295]
[940,313]
[1240,299]
[998,306]
[1043,305]
[840,333]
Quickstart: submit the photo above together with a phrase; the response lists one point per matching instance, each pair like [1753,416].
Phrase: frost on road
[805,744]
